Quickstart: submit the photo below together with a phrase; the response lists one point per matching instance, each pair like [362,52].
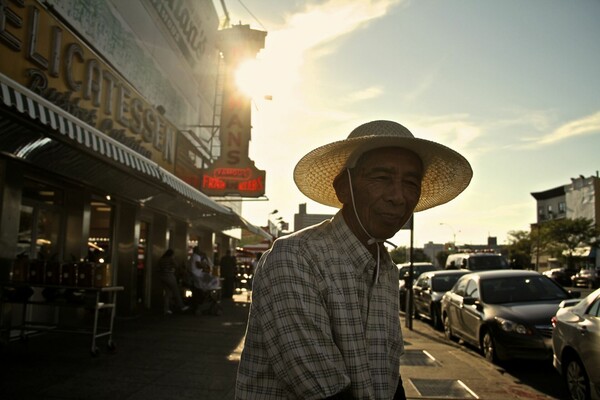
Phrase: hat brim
[446,172]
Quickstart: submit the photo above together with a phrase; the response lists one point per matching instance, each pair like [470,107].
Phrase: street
[521,378]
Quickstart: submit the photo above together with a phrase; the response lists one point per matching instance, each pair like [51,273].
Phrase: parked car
[576,346]
[403,273]
[476,261]
[587,277]
[561,275]
[428,291]
[505,313]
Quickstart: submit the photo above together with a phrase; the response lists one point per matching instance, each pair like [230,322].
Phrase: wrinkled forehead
[390,156]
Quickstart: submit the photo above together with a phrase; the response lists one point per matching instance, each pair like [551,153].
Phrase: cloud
[585,126]
[324,22]
[455,130]
[311,33]
[421,88]
[364,94]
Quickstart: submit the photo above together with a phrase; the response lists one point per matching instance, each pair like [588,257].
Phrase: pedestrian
[324,321]
[166,270]
[197,264]
[254,263]
[228,271]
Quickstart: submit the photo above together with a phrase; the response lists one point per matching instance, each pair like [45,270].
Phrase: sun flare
[252,79]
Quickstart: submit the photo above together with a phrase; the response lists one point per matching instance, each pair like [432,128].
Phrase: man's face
[387,187]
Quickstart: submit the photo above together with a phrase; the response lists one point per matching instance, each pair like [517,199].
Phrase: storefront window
[40,222]
[48,231]
[25,231]
[142,261]
[99,242]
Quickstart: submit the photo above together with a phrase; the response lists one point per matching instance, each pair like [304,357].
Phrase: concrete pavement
[434,368]
[196,357]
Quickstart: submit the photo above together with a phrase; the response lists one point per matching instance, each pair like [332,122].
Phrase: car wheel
[488,347]
[448,330]
[436,319]
[577,381]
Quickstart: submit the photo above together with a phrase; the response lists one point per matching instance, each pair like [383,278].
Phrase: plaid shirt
[318,323]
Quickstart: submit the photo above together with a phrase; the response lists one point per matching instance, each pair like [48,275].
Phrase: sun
[252,79]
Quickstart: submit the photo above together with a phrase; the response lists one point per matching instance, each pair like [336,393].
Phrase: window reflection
[40,222]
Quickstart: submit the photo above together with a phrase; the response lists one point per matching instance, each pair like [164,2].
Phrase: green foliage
[400,255]
[519,249]
[566,235]
[441,257]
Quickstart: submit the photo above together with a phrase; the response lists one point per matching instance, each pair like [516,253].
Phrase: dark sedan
[403,271]
[506,313]
[561,275]
[587,277]
[428,291]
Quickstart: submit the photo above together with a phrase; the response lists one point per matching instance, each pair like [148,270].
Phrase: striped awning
[82,136]
[48,114]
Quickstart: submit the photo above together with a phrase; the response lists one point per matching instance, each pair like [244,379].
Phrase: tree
[566,235]
[519,249]
[400,255]
[441,257]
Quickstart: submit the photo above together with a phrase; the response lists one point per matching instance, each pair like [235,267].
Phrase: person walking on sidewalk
[324,320]
[228,266]
[166,269]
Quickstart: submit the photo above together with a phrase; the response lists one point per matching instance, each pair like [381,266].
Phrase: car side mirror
[469,301]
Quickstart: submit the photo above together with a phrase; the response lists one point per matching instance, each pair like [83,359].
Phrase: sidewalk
[158,357]
[434,368]
[167,357]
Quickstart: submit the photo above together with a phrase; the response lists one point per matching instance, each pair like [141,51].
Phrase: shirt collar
[356,252]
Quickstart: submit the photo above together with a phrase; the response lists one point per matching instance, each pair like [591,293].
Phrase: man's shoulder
[316,232]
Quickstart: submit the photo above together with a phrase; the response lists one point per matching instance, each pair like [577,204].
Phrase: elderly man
[324,322]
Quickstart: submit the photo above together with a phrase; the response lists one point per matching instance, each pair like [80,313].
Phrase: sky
[514,86]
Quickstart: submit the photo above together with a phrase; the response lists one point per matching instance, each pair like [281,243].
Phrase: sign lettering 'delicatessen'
[37,51]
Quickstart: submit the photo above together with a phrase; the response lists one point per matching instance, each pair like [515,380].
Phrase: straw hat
[447,173]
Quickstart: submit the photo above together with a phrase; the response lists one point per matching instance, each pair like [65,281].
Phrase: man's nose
[395,191]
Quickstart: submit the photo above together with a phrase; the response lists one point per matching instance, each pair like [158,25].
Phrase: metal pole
[409,282]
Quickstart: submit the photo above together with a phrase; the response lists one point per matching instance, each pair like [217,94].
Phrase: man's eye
[382,178]
[412,183]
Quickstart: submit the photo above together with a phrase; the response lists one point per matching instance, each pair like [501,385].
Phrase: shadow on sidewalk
[157,357]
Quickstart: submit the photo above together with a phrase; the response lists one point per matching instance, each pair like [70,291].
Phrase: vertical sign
[233,173]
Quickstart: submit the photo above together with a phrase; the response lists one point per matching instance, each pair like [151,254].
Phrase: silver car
[576,346]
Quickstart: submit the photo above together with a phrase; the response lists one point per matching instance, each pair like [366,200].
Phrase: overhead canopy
[584,251]
[44,135]
[256,230]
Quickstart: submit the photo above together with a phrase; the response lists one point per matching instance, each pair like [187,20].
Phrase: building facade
[303,220]
[578,199]
[106,119]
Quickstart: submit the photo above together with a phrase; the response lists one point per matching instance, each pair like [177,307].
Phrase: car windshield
[520,289]
[487,263]
[443,283]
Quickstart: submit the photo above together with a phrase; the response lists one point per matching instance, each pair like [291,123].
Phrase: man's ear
[341,184]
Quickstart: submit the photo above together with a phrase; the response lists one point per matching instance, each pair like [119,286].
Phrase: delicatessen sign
[38,52]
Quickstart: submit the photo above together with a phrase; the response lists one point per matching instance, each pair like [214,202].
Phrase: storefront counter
[29,296]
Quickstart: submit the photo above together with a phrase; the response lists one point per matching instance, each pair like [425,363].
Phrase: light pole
[453,232]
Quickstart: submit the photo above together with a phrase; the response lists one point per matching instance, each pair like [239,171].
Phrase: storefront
[90,170]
